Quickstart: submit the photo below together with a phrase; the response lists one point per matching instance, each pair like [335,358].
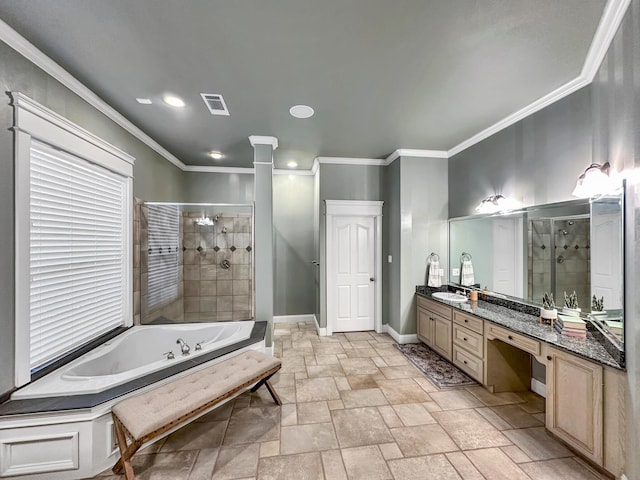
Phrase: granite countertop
[528,324]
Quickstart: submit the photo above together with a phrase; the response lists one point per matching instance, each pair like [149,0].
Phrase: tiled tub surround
[355,408]
[522,318]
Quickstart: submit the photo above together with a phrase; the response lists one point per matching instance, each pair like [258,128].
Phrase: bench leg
[126,452]
[273,393]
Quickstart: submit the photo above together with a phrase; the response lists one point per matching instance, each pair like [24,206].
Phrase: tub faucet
[183,346]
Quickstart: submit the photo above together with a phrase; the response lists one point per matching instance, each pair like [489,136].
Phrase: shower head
[564,232]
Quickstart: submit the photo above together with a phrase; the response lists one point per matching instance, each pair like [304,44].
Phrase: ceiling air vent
[215,103]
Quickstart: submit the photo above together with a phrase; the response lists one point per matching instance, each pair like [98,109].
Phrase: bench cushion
[146,413]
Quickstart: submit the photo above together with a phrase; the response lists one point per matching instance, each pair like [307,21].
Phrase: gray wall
[343,182]
[535,161]
[218,187]
[391,245]
[155,178]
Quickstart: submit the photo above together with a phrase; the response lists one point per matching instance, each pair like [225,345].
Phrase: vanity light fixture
[497,203]
[292,164]
[215,154]
[173,101]
[594,181]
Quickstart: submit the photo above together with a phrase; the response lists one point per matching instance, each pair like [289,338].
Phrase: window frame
[34,121]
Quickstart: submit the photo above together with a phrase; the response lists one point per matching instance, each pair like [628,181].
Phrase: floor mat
[437,369]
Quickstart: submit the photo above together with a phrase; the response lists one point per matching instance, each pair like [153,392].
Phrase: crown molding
[263,140]
[351,161]
[213,169]
[315,166]
[410,152]
[609,23]
[25,48]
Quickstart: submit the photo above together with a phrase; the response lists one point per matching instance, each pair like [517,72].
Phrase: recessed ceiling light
[301,111]
[144,101]
[173,101]
[215,155]
[292,164]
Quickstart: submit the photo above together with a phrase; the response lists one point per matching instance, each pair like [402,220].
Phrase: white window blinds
[163,225]
[77,252]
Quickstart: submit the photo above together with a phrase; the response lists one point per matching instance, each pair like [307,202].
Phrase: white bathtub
[138,351]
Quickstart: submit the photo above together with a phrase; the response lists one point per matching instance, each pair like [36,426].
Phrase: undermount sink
[449,297]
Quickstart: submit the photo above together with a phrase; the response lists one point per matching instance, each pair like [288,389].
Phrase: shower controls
[199,345]
[226,264]
[170,355]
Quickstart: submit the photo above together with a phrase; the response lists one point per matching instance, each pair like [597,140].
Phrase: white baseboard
[269,350]
[409,338]
[538,387]
[623,477]
[308,317]
[322,332]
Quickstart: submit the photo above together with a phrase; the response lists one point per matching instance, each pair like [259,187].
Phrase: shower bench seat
[141,418]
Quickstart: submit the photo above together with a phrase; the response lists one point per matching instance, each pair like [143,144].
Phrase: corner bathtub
[139,351]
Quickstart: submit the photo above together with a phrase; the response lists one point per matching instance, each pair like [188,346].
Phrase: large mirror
[570,246]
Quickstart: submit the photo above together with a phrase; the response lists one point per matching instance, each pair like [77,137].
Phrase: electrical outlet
[389,259]
[455,272]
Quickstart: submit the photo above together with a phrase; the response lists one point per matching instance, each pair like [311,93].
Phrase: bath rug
[442,373]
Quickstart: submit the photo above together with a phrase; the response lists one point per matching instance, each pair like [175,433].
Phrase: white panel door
[507,256]
[353,261]
[606,277]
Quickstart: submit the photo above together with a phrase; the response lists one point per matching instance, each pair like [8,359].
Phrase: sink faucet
[183,346]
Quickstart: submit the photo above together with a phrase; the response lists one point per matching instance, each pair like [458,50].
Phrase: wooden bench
[141,418]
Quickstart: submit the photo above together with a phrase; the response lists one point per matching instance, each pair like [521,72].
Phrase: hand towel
[467,273]
[434,274]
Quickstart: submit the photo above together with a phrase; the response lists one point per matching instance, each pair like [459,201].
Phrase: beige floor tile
[204,464]
[455,399]
[361,344]
[307,438]
[371,397]
[540,416]
[284,380]
[390,451]
[170,465]
[289,414]
[515,454]
[342,383]
[324,371]
[493,399]
[358,336]
[537,443]
[313,412]
[426,384]
[463,466]
[221,413]
[390,417]
[379,362]
[392,358]
[432,467]
[516,416]
[361,353]
[330,359]
[358,366]
[237,462]
[360,426]
[195,436]
[301,375]
[335,404]
[328,349]
[404,371]
[293,364]
[559,469]
[494,464]
[402,391]
[306,466]
[333,465]
[316,389]
[310,360]
[413,414]
[269,449]
[423,440]
[470,430]
[287,394]
[365,463]
[493,418]
[432,407]
[253,425]
[360,382]
[534,403]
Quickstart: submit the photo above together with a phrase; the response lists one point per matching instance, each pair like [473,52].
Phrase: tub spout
[184,348]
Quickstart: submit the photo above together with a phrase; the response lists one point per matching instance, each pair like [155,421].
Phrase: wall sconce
[497,203]
[594,181]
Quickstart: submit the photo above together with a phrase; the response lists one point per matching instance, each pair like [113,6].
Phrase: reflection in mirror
[570,246]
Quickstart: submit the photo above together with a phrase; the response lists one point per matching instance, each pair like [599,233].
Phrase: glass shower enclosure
[196,262]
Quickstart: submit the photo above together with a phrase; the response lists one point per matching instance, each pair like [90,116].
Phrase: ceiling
[381,75]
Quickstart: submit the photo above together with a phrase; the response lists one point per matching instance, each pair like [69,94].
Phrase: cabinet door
[442,336]
[574,402]
[425,325]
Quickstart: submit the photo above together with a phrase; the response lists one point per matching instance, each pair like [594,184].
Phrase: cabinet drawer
[467,339]
[468,363]
[472,323]
[435,307]
[507,336]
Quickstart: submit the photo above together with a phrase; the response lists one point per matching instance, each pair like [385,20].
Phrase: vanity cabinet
[575,402]
[434,326]
[468,345]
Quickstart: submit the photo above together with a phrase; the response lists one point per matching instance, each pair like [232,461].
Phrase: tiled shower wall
[570,257]
[211,291]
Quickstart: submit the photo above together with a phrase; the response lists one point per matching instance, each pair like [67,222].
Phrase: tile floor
[355,408]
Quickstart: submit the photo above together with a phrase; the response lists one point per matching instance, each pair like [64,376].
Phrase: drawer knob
[464,361]
[466,321]
[510,337]
[549,357]
[465,339]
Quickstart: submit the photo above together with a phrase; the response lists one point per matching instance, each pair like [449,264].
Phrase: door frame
[354,208]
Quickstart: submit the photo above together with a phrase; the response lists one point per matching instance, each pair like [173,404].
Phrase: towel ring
[465,257]
[433,257]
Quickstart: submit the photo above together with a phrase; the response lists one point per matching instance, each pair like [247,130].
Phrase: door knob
[372,279]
